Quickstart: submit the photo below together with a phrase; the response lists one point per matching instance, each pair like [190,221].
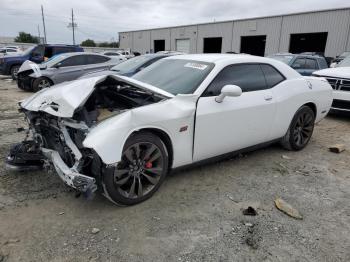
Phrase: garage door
[183,45]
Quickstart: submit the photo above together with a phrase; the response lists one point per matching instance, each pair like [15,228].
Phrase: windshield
[345,62]
[175,76]
[131,64]
[283,58]
[53,60]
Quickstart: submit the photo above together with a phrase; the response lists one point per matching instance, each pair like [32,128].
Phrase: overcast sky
[101,20]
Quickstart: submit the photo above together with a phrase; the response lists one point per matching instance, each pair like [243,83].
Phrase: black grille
[339,83]
[341,104]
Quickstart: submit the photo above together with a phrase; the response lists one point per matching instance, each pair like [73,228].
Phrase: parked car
[339,58]
[61,68]
[339,79]
[114,53]
[9,51]
[131,66]
[328,58]
[126,53]
[9,65]
[123,135]
[304,64]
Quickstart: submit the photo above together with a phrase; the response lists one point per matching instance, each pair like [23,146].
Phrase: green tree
[24,37]
[108,44]
[89,43]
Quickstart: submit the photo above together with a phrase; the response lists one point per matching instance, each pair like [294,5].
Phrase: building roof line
[241,19]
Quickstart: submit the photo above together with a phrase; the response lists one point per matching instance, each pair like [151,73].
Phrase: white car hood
[341,72]
[63,99]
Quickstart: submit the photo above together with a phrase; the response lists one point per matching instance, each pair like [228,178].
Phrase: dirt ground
[197,213]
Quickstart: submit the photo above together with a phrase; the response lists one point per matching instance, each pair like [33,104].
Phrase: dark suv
[304,64]
[9,65]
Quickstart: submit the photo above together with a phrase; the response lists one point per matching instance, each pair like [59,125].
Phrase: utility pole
[42,15]
[39,34]
[73,25]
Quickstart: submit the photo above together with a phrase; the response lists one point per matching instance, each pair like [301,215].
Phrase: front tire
[14,71]
[300,129]
[41,83]
[141,171]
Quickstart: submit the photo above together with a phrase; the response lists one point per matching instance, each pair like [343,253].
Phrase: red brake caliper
[148,165]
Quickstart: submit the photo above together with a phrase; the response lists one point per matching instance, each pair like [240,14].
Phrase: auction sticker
[196,66]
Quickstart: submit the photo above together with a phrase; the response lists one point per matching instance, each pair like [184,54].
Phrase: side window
[38,51]
[249,77]
[299,63]
[272,76]
[323,63]
[48,51]
[95,59]
[74,61]
[310,63]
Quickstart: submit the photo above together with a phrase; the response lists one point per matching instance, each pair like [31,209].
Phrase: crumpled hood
[29,65]
[341,72]
[63,99]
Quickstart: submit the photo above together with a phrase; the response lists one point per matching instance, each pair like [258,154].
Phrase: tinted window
[323,63]
[95,59]
[74,61]
[310,64]
[63,49]
[272,76]
[248,77]
[38,51]
[299,63]
[112,54]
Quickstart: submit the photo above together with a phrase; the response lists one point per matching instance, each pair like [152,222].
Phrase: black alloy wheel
[300,130]
[140,172]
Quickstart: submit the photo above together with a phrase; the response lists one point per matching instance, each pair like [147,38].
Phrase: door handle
[268,98]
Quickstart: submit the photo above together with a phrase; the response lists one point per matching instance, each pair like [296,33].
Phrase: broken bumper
[70,176]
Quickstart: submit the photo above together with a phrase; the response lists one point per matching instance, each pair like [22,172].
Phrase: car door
[237,122]
[69,69]
[96,63]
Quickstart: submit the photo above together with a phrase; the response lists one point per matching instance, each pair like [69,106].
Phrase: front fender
[108,137]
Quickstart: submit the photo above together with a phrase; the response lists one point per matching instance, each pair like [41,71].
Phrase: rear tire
[41,83]
[14,71]
[300,129]
[141,171]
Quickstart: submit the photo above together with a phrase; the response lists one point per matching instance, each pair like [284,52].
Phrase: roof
[243,19]
[212,58]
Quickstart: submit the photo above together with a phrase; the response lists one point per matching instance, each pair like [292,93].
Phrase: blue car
[10,64]
[304,64]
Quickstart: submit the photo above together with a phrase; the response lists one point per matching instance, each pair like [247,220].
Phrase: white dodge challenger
[122,135]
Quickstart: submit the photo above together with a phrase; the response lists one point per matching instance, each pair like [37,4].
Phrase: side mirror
[228,90]
[58,65]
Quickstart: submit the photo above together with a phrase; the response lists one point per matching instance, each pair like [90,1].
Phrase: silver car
[61,68]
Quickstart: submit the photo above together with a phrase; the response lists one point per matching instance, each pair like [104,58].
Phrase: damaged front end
[61,118]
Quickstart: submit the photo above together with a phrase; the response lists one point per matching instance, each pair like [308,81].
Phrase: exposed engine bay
[56,143]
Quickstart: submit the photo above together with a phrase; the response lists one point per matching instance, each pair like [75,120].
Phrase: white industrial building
[325,31]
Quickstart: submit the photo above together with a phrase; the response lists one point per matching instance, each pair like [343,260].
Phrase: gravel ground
[197,213]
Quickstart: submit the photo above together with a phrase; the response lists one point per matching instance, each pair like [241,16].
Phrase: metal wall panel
[125,40]
[161,34]
[276,28]
[223,30]
[336,23]
[141,41]
[185,32]
[270,27]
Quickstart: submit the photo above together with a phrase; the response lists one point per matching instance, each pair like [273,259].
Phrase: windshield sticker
[196,66]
